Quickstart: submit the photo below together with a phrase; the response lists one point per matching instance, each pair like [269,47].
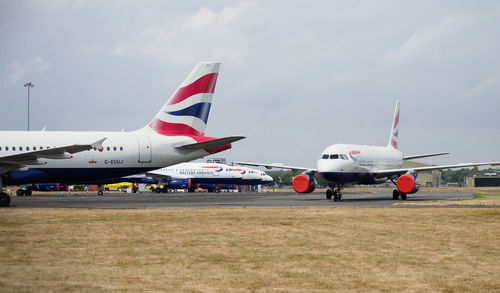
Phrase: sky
[296,76]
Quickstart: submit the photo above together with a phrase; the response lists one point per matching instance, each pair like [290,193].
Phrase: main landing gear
[4,197]
[396,194]
[24,192]
[334,189]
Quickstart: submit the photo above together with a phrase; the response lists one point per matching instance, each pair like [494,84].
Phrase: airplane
[46,187]
[209,176]
[176,134]
[363,164]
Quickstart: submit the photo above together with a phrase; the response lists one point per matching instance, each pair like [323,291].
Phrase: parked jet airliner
[190,175]
[176,134]
[362,164]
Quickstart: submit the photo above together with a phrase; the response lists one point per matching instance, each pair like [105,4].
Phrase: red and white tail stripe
[186,111]
[393,139]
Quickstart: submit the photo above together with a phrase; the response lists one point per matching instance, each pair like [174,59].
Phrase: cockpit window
[334,157]
[344,157]
[325,156]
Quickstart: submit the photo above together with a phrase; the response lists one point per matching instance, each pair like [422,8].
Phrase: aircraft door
[144,149]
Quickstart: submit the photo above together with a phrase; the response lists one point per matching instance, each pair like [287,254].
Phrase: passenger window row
[111,148]
[6,148]
[20,148]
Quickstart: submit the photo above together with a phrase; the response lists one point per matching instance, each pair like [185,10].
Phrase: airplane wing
[424,156]
[32,158]
[210,144]
[277,165]
[391,172]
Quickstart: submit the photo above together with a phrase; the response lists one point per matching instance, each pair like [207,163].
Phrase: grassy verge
[256,250]
[479,199]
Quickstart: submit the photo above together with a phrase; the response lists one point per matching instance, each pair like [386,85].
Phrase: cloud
[54,5]
[205,34]
[488,88]
[431,44]
[21,68]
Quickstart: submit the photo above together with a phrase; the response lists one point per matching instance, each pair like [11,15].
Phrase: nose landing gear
[334,189]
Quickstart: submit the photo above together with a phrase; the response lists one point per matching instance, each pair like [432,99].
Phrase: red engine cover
[303,183]
[406,184]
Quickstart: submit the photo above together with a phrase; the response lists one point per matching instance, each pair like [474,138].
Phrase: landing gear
[100,189]
[335,191]
[329,193]
[24,192]
[4,200]
[4,197]
[396,194]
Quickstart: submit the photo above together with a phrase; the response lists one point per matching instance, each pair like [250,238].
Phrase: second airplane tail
[393,139]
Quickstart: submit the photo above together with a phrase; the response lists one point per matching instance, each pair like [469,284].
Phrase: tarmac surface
[352,198]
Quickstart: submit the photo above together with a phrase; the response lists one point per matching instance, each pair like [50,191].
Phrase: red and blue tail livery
[186,112]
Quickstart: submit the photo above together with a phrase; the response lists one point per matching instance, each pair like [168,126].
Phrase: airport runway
[352,197]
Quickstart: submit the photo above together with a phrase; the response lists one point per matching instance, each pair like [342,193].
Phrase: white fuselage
[123,153]
[203,172]
[347,163]
[253,176]
[216,173]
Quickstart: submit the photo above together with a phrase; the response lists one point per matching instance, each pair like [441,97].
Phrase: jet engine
[179,184]
[304,183]
[408,183]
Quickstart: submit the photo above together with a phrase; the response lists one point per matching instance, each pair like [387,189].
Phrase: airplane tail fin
[393,139]
[186,111]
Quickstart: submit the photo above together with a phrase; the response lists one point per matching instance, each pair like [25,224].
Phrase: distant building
[431,178]
[486,180]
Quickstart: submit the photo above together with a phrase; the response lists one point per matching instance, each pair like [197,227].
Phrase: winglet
[98,144]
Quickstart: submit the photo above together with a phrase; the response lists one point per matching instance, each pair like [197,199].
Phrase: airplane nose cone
[267,179]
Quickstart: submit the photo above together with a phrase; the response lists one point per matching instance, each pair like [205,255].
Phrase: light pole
[28,85]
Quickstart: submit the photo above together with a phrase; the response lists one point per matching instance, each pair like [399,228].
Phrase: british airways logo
[353,154]
[241,170]
[219,169]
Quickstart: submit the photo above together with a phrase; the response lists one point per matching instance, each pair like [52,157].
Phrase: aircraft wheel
[341,198]
[4,200]
[100,192]
[329,194]
[335,196]
[403,196]
[20,192]
[395,194]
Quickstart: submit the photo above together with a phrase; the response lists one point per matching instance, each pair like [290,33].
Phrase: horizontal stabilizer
[277,166]
[210,144]
[424,156]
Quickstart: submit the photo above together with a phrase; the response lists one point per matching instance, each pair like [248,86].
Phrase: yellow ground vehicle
[122,186]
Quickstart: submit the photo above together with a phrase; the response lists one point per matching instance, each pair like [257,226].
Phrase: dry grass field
[251,250]
[479,199]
